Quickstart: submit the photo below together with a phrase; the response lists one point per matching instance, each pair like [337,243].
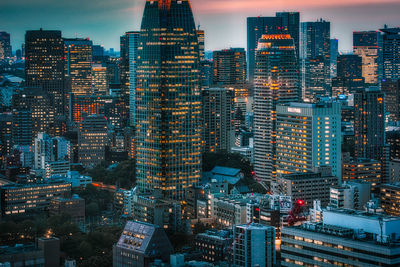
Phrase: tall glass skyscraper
[276,82]
[391,53]
[168,100]
[44,65]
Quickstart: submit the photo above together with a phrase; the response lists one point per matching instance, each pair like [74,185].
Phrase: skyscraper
[369,123]
[366,45]
[168,100]
[349,76]
[391,88]
[315,41]
[334,55]
[99,80]
[276,82]
[44,65]
[289,22]
[5,46]
[78,65]
[218,111]
[129,50]
[391,53]
[229,67]
[201,37]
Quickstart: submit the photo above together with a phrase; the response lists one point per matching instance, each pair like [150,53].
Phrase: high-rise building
[168,100]
[92,139]
[254,245]
[391,88]
[229,67]
[366,45]
[42,111]
[308,136]
[349,78]
[129,52]
[22,127]
[99,80]
[284,22]
[201,37]
[315,80]
[5,46]
[369,123]
[50,149]
[218,111]
[276,82]
[391,53]
[393,139]
[389,195]
[44,65]
[78,65]
[315,42]
[334,55]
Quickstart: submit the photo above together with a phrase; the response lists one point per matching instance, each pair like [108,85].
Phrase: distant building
[25,198]
[351,195]
[308,186]
[344,238]
[218,111]
[140,244]
[74,207]
[366,170]
[5,46]
[229,67]
[201,37]
[393,139]
[57,168]
[369,123]
[391,52]
[366,45]
[92,140]
[391,88]
[254,245]
[390,194]
[78,65]
[230,175]
[99,80]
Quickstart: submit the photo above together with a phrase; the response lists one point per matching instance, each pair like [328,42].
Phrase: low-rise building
[367,170]
[75,207]
[390,198]
[31,197]
[351,195]
[308,186]
[344,238]
[57,168]
[141,244]
[213,245]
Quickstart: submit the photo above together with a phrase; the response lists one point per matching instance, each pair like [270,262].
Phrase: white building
[308,136]
[48,149]
[57,168]
[352,195]
[254,245]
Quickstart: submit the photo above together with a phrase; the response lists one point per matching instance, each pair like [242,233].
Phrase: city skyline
[105,22]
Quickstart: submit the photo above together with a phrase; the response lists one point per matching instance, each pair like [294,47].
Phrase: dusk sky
[223,20]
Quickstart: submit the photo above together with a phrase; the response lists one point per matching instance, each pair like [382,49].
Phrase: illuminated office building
[44,65]
[308,136]
[391,53]
[334,55]
[92,139]
[201,37]
[315,40]
[349,78]
[391,88]
[22,126]
[315,80]
[289,22]
[366,45]
[5,46]
[218,111]
[366,170]
[369,123]
[276,82]
[78,65]
[128,65]
[229,66]
[168,100]
[99,80]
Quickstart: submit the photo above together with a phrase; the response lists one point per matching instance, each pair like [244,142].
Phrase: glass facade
[168,100]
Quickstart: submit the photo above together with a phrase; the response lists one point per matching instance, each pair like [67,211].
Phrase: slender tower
[168,100]
[276,82]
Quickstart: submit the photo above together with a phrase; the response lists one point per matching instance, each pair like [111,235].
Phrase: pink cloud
[229,6]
